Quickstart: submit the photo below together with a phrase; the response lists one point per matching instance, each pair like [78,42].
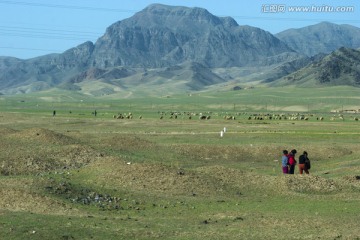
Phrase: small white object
[221,133]
[224,129]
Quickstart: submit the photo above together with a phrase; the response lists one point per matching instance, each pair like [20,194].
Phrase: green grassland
[80,176]
[289,99]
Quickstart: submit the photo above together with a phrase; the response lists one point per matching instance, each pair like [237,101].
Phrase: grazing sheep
[229,117]
[204,117]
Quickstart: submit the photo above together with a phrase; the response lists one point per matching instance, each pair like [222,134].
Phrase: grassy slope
[183,180]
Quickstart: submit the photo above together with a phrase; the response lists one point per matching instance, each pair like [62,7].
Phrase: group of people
[288,162]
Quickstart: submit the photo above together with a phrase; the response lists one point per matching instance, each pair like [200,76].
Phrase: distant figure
[95,113]
[54,113]
[304,163]
[284,162]
[292,161]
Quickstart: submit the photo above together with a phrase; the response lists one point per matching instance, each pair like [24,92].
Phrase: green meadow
[161,172]
[282,99]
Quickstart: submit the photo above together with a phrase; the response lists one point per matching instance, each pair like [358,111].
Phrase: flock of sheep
[227,116]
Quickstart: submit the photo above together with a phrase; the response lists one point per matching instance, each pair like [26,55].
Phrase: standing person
[284,162]
[304,163]
[292,161]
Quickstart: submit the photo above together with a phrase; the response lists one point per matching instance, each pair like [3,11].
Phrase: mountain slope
[185,77]
[41,73]
[341,67]
[324,37]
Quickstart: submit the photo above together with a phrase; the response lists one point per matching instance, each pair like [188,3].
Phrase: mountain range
[189,49]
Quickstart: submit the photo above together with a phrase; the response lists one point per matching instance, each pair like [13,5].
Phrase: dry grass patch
[152,178]
[127,142]
[256,152]
[43,135]
[19,195]
[41,150]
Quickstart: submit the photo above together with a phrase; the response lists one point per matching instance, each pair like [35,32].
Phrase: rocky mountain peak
[162,35]
[178,15]
[176,18]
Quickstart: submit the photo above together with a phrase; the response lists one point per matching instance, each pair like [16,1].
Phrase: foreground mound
[19,195]
[44,136]
[37,150]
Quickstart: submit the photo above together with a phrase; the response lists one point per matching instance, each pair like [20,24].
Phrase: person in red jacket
[292,161]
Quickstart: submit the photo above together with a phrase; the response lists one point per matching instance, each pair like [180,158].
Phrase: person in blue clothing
[284,162]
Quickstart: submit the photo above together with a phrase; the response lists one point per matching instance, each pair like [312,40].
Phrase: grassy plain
[77,176]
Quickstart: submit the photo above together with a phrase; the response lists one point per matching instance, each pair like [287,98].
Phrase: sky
[32,28]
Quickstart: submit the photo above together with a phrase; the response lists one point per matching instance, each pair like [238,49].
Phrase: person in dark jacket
[304,163]
[292,161]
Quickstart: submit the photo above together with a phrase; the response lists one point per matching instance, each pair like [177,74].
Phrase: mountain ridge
[183,43]
[323,37]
